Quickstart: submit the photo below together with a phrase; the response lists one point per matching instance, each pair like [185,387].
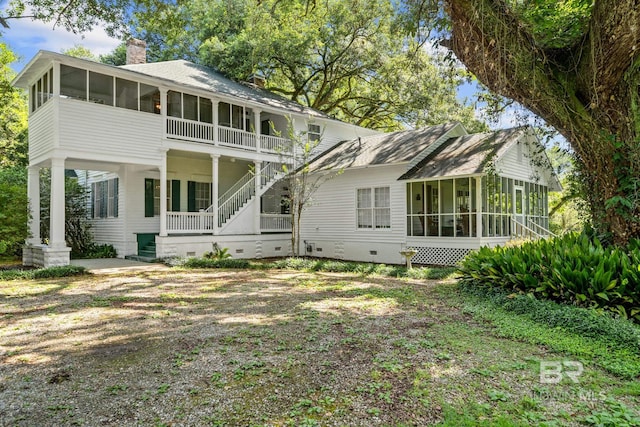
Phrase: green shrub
[215,263]
[575,269]
[98,251]
[42,273]
[217,253]
[62,271]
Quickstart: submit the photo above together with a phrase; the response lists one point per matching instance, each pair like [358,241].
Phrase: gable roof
[204,78]
[464,155]
[389,148]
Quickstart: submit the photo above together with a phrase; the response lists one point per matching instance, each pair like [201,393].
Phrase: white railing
[275,222]
[275,144]
[529,231]
[248,177]
[189,129]
[268,172]
[235,201]
[236,138]
[190,222]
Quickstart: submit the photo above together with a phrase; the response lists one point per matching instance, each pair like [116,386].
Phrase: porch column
[257,130]
[56,215]
[479,206]
[33,191]
[214,108]
[163,194]
[214,192]
[163,111]
[256,206]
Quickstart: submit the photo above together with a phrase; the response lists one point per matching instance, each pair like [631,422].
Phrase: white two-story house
[176,156]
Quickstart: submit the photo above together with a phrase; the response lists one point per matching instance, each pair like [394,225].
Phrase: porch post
[163,194]
[257,130]
[256,206]
[57,220]
[479,206]
[164,101]
[214,108]
[33,191]
[214,192]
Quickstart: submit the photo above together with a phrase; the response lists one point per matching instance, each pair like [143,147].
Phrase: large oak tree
[576,64]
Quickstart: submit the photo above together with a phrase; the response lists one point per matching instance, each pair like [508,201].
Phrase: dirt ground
[191,348]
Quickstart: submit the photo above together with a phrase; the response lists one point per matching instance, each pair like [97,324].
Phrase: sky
[26,37]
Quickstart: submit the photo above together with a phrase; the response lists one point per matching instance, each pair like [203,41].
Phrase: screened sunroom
[475,206]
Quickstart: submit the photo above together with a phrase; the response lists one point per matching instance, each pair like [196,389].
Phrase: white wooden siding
[523,167]
[98,132]
[332,215]
[41,131]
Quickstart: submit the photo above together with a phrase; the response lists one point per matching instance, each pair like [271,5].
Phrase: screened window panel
[73,82]
[224,114]
[206,110]
[174,104]
[382,199]
[126,94]
[149,99]
[100,88]
[190,107]
[364,198]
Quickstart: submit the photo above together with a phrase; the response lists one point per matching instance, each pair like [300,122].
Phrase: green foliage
[350,59]
[217,253]
[77,228]
[615,414]
[98,251]
[13,209]
[575,268]
[215,263]
[79,51]
[312,265]
[42,273]
[13,115]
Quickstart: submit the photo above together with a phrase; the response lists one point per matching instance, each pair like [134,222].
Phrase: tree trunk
[588,92]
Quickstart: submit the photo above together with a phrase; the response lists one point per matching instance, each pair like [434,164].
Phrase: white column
[164,101]
[256,206]
[479,207]
[214,107]
[214,191]
[56,224]
[163,195]
[33,191]
[257,130]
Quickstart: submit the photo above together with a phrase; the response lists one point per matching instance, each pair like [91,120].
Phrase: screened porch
[477,206]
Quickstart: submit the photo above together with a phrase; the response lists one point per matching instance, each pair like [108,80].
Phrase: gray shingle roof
[464,155]
[204,78]
[389,148]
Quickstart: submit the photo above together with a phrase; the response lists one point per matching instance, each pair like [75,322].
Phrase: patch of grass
[42,273]
[320,265]
[612,344]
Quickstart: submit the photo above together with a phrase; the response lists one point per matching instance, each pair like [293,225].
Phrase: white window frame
[313,132]
[105,199]
[378,210]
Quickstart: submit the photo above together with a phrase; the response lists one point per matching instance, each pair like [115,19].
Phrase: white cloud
[27,37]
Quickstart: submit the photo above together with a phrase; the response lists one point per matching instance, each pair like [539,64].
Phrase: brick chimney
[136,51]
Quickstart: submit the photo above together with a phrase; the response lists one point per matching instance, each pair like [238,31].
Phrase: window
[104,199]
[313,133]
[199,196]
[152,196]
[41,90]
[126,94]
[100,88]
[373,208]
[190,107]
[73,82]
[206,110]
[174,107]
[149,99]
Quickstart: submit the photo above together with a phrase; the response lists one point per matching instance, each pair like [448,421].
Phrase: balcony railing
[275,222]
[190,222]
[206,133]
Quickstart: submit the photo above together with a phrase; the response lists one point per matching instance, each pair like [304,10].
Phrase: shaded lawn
[274,348]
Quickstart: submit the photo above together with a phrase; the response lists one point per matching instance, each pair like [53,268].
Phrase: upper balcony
[128,111]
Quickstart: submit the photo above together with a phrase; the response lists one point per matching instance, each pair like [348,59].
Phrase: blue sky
[26,37]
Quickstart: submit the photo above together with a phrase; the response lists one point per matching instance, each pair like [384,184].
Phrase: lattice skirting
[438,256]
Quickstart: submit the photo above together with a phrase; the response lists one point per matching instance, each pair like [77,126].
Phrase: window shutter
[148,197]
[115,197]
[93,200]
[175,195]
[191,196]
